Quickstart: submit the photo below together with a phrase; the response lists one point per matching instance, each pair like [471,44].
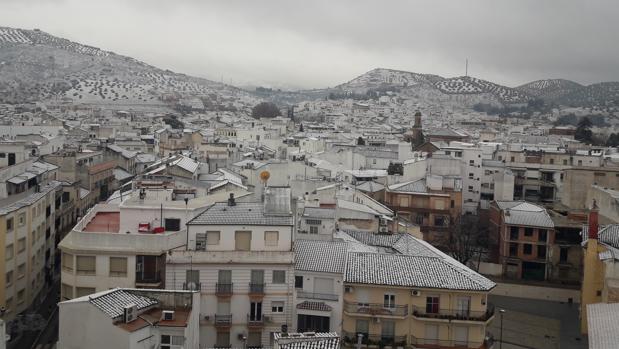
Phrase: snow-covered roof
[602,319]
[186,163]
[113,302]
[525,213]
[370,187]
[243,213]
[320,256]
[415,186]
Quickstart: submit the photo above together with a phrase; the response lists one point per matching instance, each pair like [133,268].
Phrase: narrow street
[37,326]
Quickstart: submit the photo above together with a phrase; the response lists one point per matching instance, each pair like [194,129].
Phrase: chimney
[593,221]
[231,201]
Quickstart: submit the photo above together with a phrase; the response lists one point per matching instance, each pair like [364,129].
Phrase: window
[9,304]
[528,232]
[21,296]
[171,342]
[564,161]
[201,241]
[471,175]
[513,249]
[389,301]
[298,281]
[271,238]
[9,278]
[512,159]
[543,235]
[172,224]
[118,266]
[21,219]
[432,304]
[21,270]
[192,276]
[9,224]
[254,340]
[527,249]
[363,326]
[313,229]
[223,340]
[439,221]
[212,237]
[563,254]
[579,162]
[277,306]
[242,240]
[453,204]
[313,221]
[541,251]
[86,265]
[9,251]
[472,162]
[255,311]
[470,188]
[67,261]
[513,233]
[84,291]
[279,276]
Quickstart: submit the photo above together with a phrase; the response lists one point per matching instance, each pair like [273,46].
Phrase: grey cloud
[322,43]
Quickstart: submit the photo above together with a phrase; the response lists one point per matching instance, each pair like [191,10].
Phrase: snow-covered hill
[36,66]
[470,85]
[550,89]
[381,77]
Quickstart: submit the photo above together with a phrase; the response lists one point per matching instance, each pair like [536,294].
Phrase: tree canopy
[360,141]
[265,110]
[583,131]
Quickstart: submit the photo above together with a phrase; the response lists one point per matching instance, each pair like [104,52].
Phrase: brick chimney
[593,221]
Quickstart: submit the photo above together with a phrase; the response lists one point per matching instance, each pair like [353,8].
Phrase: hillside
[36,66]
[470,85]
[602,95]
[550,89]
[381,77]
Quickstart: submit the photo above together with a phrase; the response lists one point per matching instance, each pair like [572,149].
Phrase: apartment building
[525,232]
[391,300]
[318,282]
[124,244]
[27,259]
[433,203]
[239,256]
[497,183]
[128,318]
[578,183]
[316,223]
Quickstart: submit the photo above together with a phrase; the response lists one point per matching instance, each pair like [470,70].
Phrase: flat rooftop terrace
[104,222]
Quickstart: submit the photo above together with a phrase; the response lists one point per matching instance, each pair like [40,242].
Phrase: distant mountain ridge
[561,91]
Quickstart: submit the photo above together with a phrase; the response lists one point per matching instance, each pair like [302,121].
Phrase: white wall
[227,233]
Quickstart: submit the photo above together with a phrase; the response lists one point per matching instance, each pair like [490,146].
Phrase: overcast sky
[315,44]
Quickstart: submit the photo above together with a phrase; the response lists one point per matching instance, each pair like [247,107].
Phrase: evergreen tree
[583,131]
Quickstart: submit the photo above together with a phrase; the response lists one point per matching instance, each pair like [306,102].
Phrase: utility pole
[466,68]
[501,311]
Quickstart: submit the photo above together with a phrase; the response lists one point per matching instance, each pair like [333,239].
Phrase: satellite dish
[264,176]
[192,286]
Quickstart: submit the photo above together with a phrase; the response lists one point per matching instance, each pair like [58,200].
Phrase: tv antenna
[466,68]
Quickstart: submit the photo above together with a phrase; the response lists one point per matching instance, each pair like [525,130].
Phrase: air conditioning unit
[267,318]
[416,293]
[383,229]
[167,315]
[130,313]
[348,289]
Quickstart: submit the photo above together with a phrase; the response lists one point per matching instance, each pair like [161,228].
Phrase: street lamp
[501,312]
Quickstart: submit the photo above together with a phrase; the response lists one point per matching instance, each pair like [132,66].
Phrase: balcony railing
[223,289]
[223,320]
[255,321]
[256,288]
[313,295]
[454,314]
[440,343]
[374,339]
[376,309]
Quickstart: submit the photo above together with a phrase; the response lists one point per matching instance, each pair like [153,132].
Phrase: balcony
[350,338]
[321,296]
[223,289]
[256,289]
[256,321]
[441,344]
[370,309]
[454,314]
[223,320]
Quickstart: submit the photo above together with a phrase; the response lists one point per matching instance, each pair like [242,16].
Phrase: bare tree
[467,238]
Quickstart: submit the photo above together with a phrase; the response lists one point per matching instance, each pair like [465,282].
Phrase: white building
[239,255]
[130,319]
[319,280]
